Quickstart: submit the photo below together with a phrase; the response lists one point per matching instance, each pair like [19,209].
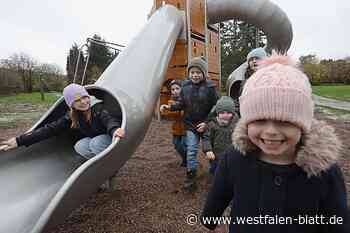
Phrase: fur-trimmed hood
[319,150]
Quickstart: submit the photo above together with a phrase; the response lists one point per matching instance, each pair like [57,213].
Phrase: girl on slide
[94,123]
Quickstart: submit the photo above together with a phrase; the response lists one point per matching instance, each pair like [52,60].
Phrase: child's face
[196,75]
[253,63]
[274,137]
[175,90]
[82,104]
[225,116]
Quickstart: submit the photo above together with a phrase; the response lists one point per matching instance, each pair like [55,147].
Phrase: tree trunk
[24,81]
[41,88]
[30,84]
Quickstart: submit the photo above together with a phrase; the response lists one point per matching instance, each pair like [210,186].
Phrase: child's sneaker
[191,180]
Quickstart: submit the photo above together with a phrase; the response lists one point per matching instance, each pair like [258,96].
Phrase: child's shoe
[191,180]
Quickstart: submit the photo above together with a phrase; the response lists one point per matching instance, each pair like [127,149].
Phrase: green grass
[24,108]
[32,98]
[341,92]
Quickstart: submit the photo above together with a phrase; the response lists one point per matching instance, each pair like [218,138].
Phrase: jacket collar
[319,150]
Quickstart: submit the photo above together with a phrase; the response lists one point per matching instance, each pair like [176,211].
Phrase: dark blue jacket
[259,189]
[196,100]
[311,187]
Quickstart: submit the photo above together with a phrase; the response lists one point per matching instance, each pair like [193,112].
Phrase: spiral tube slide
[262,13]
[40,184]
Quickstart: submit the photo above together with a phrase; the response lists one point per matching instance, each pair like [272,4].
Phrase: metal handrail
[95,41]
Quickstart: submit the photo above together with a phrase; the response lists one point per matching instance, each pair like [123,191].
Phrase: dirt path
[333,103]
[148,197]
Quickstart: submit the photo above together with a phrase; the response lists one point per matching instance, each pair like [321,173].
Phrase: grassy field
[30,98]
[24,108]
[341,92]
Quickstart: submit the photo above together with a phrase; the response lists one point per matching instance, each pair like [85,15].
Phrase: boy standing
[197,97]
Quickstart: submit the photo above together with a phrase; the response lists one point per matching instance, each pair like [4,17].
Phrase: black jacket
[313,187]
[101,123]
[196,100]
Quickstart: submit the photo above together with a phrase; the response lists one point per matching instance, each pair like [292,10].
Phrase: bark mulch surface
[148,196]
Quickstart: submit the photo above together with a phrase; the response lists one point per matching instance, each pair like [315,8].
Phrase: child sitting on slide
[96,126]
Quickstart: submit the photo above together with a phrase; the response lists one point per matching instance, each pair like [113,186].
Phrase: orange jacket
[178,125]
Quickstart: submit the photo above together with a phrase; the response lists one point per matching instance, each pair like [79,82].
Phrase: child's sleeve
[179,104]
[173,114]
[214,97]
[45,132]
[334,205]
[212,113]
[207,139]
[110,122]
[220,195]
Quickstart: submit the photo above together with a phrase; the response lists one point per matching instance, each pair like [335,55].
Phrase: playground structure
[197,39]
[264,15]
[41,184]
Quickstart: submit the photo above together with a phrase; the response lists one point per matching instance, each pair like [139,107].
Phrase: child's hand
[119,133]
[201,127]
[8,145]
[210,155]
[163,107]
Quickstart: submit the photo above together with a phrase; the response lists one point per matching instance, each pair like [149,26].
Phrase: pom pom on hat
[277,58]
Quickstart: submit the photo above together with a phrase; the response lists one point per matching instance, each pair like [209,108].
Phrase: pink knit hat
[278,91]
[73,92]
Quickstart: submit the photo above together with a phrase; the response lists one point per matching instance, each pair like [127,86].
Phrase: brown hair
[74,116]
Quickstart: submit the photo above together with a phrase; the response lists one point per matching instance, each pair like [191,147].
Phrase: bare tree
[46,71]
[24,65]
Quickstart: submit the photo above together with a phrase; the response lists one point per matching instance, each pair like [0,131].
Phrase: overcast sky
[47,29]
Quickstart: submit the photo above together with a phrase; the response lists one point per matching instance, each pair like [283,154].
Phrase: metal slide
[262,13]
[41,185]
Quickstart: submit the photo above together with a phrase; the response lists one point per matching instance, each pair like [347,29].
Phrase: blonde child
[253,58]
